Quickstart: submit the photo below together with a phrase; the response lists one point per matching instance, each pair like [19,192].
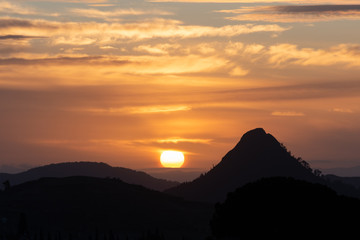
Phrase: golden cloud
[287,114]
[85,33]
[185,140]
[136,110]
[343,110]
[284,54]
[261,1]
[96,13]
[158,48]
[238,72]
[11,8]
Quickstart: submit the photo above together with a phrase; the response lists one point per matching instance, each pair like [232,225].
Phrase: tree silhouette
[6,185]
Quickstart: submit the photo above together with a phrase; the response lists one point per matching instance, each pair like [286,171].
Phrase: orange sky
[121,81]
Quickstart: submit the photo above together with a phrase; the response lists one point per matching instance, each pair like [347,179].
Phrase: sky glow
[116,81]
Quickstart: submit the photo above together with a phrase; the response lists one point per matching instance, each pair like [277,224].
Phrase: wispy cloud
[342,110]
[18,37]
[185,140]
[260,1]
[136,110]
[10,44]
[12,8]
[287,114]
[102,4]
[227,59]
[296,13]
[158,48]
[284,54]
[109,15]
[158,109]
[73,1]
[85,33]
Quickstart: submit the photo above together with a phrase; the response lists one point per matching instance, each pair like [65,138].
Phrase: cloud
[294,92]
[317,8]
[260,1]
[149,142]
[95,13]
[72,1]
[158,49]
[296,13]
[15,43]
[70,70]
[185,140]
[288,114]
[177,64]
[18,37]
[345,54]
[102,5]
[107,47]
[238,72]
[11,8]
[172,60]
[59,60]
[342,110]
[137,110]
[85,33]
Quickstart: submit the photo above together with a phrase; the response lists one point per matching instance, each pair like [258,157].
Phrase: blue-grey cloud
[18,37]
[295,13]
[315,8]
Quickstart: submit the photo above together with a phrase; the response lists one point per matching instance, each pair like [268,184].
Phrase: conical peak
[255,139]
[254,134]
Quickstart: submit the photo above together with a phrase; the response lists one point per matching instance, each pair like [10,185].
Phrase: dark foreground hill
[285,208]
[86,207]
[91,169]
[256,156]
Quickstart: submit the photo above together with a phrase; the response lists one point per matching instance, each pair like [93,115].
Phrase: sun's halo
[172,159]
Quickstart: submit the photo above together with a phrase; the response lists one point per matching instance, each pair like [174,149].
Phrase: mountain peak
[254,142]
[257,132]
[257,155]
[253,137]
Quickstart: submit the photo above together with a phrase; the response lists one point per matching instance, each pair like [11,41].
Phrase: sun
[172,159]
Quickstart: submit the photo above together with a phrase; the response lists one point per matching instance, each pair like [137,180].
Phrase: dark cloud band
[316,8]
[18,37]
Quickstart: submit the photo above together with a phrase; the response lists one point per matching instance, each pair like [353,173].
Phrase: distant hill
[177,174]
[285,208]
[92,169]
[86,207]
[256,156]
[353,181]
[343,172]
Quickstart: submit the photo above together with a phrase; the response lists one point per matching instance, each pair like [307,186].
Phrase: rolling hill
[91,169]
[87,206]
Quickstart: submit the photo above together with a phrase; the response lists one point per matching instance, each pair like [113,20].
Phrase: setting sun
[172,159]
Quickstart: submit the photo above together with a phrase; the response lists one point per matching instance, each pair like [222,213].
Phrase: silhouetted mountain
[353,181]
[174,174]
[343,172]
[91,169]
[87,206]
[285,208]
[256,156]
